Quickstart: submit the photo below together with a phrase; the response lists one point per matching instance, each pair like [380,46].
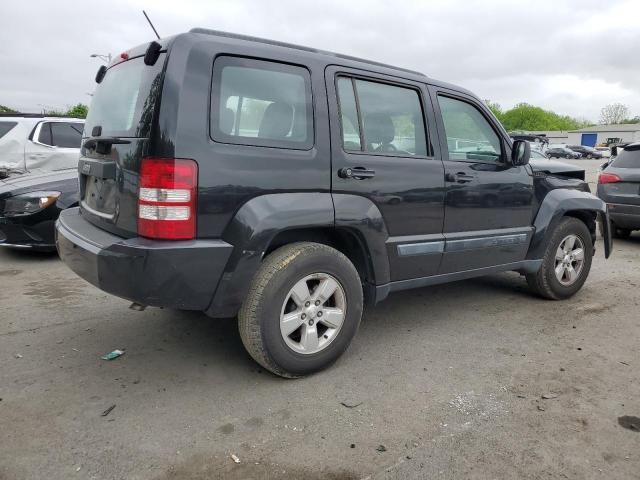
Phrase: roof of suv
[277,43]
[418,76]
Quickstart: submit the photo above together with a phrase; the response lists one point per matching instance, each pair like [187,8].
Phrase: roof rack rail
[249,38]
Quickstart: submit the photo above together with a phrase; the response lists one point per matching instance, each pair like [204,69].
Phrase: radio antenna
[148,20]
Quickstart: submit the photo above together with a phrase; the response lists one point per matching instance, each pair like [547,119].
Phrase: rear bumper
[182,275]
[625,216]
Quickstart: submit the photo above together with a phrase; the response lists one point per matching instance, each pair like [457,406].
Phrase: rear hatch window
[628,158]
[122,103]
[122,109]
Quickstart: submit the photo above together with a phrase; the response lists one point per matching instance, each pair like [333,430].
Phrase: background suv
[619,186]
[35,143]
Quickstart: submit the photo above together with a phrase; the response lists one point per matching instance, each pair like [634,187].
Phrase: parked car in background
[562,152]
[586,152]
[36,143]
[619,187]
[538,154]
[604,151]
[30,205]
[430,189]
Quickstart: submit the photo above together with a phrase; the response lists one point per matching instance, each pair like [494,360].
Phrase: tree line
[79,110]
[527,117]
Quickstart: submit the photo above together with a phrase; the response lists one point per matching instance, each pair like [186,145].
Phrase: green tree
[79,111]
[4,109]
[495,108]
[529,117]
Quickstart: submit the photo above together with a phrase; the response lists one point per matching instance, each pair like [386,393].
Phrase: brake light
[605,178]
[167,198]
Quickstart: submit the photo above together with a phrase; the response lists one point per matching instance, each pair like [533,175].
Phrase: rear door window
[66,135]
[5,127]
[261,103]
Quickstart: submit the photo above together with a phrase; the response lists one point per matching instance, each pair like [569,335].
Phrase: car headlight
[28,203]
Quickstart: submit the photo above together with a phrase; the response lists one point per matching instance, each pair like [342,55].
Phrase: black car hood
[17,184]
[553,167]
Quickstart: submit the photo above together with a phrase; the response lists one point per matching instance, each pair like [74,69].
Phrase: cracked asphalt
[440,382]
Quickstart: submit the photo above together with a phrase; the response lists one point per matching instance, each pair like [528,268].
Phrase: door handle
[459,177]
[357,173]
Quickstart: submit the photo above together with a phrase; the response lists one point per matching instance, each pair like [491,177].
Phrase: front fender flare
[562,202]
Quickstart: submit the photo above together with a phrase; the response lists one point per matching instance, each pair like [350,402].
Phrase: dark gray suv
[289,186]
[619,187]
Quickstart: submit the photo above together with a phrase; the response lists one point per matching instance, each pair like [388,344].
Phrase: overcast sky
[572,57]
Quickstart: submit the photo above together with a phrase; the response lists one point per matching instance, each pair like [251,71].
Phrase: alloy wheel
[569,260]
[313,313]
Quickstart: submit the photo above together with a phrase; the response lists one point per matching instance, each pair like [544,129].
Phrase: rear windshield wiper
[103,144]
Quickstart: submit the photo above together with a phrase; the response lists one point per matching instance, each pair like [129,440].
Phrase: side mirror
[520,152]
[604,165]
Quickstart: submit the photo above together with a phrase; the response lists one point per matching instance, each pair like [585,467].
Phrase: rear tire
[564,269]
[288,291]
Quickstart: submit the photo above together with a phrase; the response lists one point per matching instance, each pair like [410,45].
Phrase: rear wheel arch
[347,241]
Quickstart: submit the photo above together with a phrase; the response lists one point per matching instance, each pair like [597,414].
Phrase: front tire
[566,262]
[303,309]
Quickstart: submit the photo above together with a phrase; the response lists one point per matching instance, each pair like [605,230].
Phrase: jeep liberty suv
[288,186]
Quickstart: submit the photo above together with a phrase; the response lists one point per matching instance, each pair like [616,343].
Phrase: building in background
[605,135]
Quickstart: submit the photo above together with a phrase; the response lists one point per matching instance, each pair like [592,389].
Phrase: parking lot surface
[475,379]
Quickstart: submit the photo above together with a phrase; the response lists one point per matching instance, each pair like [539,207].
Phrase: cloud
[572,57]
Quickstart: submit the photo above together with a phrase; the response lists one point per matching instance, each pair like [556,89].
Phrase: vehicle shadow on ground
[28,255]
[194,340]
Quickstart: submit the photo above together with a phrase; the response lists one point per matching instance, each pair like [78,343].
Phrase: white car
[35,143]
[605,151]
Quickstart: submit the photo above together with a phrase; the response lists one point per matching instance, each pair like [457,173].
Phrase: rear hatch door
[117,136]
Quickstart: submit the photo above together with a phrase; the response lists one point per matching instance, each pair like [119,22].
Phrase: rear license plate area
[100,194]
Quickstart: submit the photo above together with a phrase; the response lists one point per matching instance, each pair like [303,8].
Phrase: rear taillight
[604,178]
[167,198]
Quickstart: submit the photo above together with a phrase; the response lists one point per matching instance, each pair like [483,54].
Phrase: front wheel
[566,262]
[302,310]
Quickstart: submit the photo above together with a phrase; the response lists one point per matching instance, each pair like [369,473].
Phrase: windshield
[124,101]
[628,158]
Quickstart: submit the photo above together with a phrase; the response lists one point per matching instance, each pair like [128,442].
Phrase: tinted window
[348,115]
[390,119]
[470,136]
[627,159]
[5,127]
[66,135]
[124,102]
[45,134]
[261,103]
